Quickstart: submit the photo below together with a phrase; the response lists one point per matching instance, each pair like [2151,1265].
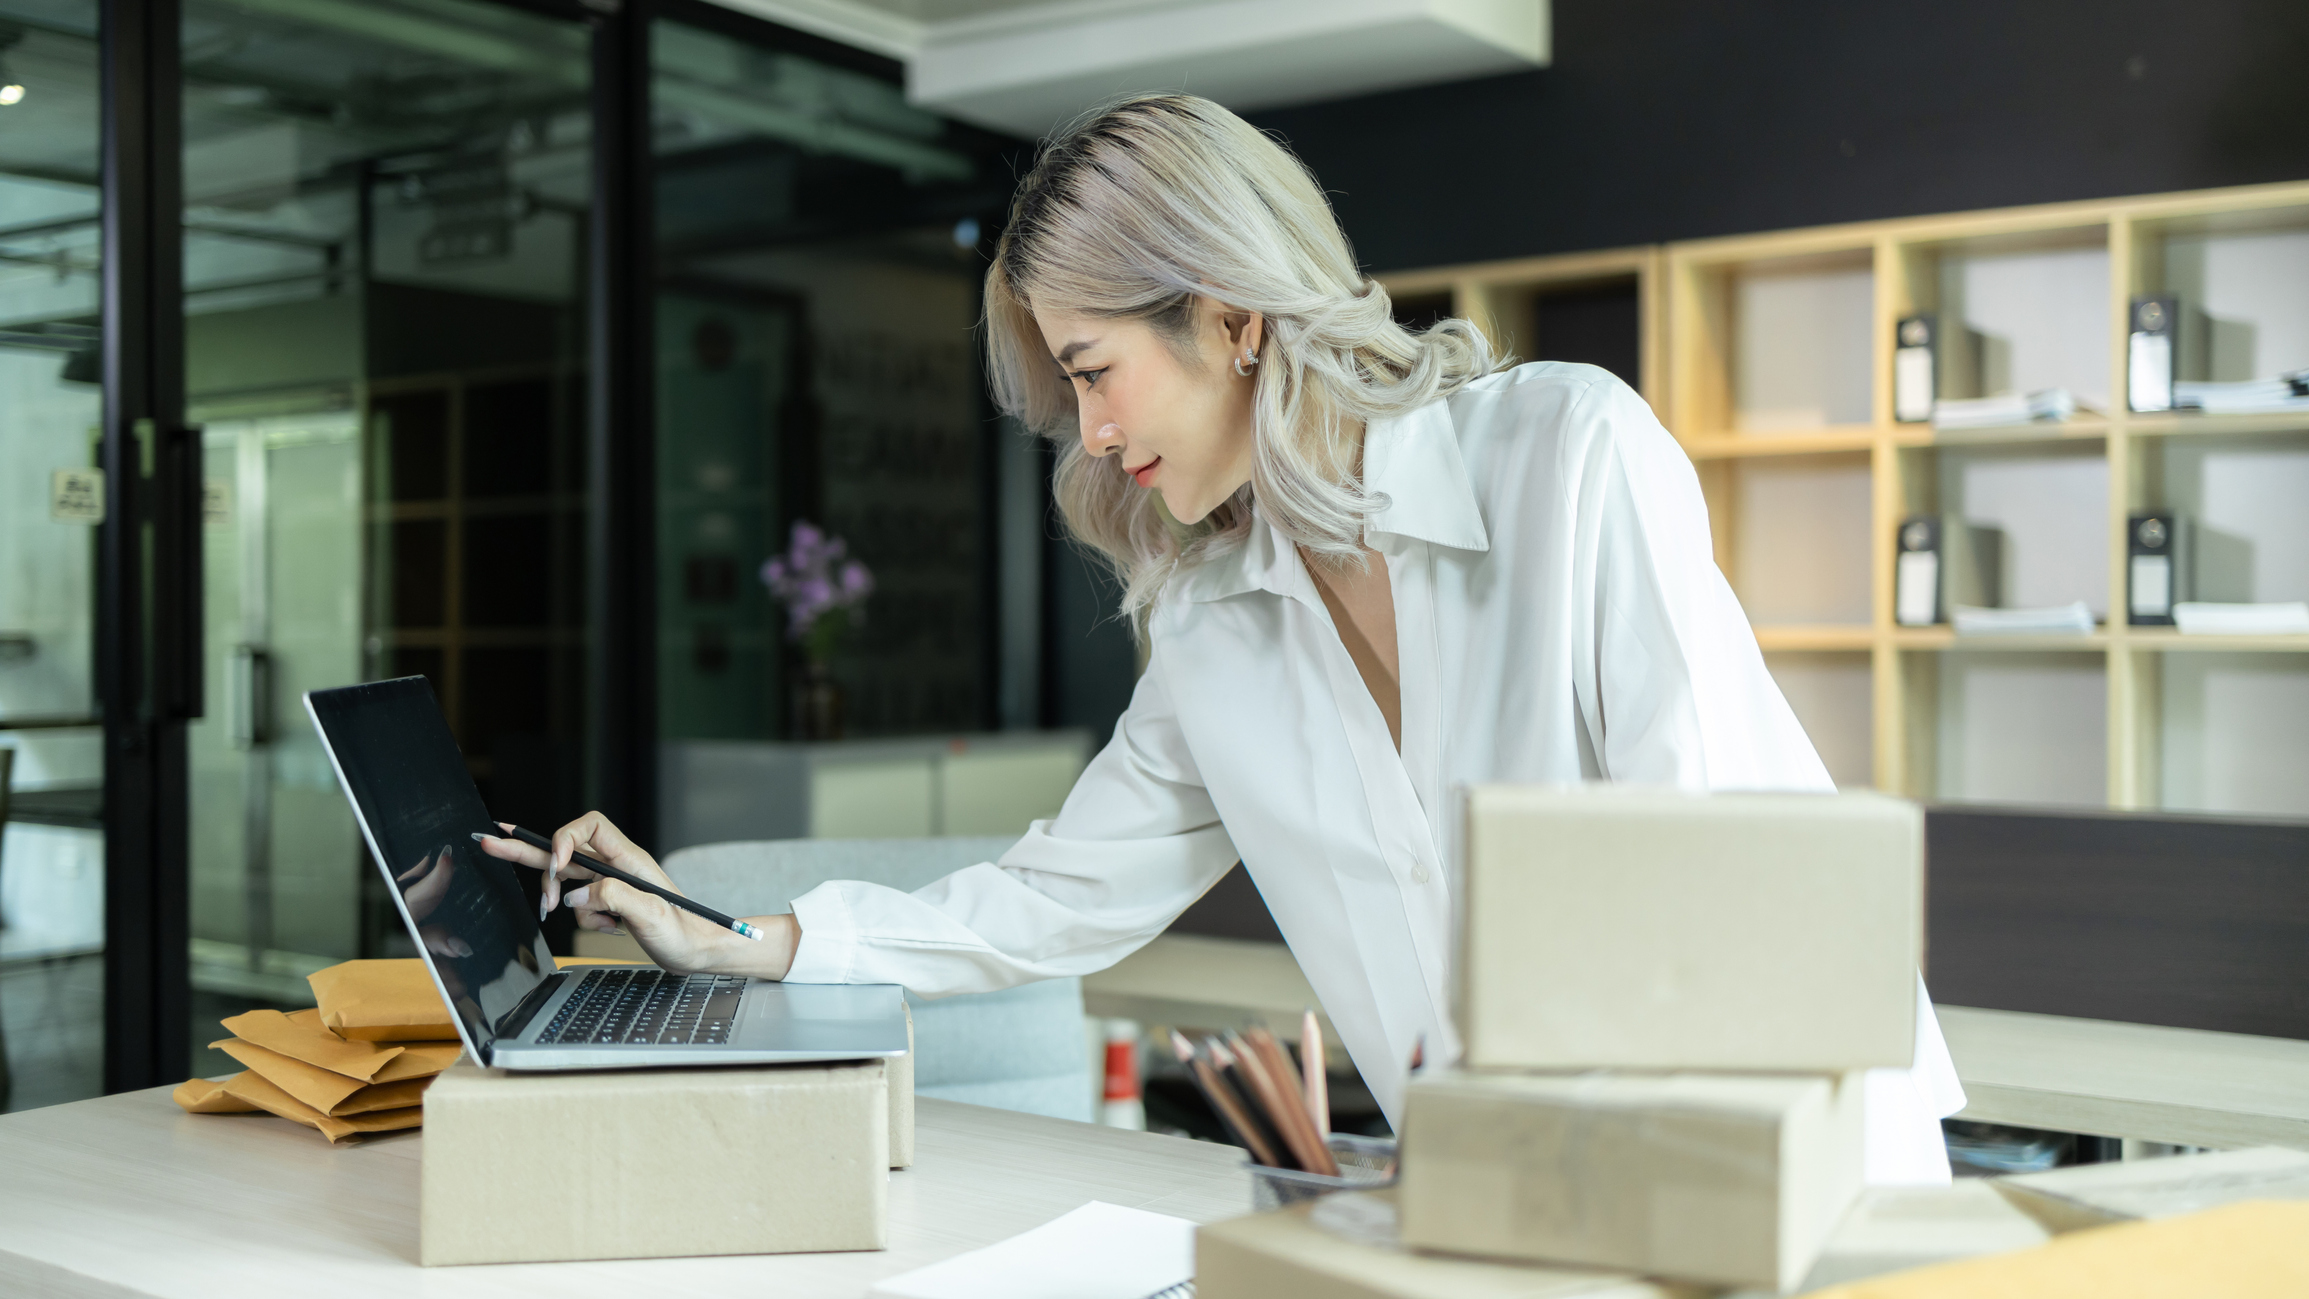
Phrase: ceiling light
[11,91]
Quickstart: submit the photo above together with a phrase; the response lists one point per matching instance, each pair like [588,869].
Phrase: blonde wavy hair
[1133,212]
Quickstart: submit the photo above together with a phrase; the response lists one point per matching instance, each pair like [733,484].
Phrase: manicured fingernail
[544,905]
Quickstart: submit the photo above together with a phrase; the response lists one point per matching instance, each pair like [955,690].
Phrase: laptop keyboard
[647,1007]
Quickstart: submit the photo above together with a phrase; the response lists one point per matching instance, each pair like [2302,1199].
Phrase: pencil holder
[1364,1163]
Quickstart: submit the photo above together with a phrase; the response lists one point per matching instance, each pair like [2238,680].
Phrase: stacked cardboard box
[1665,1003]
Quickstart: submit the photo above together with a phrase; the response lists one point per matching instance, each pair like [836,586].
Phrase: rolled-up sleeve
[1679,693]
[1137,841]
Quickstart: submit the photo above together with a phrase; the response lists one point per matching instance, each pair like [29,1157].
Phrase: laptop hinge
[510,1024]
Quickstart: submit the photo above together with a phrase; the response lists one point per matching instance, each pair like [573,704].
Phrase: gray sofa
[1018,1049]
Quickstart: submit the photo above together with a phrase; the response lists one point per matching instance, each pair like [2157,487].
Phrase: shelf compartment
[2049,502]
[2018,311]
[2234,733]
[1832,695]
[2025,728]
[1793,534]
[2246,503]
[2242,278]
[1771,337]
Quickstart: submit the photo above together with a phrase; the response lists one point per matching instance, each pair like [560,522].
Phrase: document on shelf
[2072,619]
[2283,618]
[2286,392]
[1099,1251]
[2052,404]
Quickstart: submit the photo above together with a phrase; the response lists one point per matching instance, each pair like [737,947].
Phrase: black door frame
[148,597]
[621,443]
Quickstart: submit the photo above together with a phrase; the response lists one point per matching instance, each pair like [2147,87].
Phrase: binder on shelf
[1942,563]
[2159,573]
[2151,361]
[1915,369]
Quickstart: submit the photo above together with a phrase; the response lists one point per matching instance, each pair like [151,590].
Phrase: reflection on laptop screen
[419,809]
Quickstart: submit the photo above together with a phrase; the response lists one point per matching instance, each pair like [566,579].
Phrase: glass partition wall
[820,244]
[51,502]
[385,219]
[405,300]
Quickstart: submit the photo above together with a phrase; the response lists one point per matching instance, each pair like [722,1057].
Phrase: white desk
[128,1196]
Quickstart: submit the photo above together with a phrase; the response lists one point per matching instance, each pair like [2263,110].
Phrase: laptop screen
[418,809]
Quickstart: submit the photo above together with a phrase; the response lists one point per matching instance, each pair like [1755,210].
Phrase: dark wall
[1679,119]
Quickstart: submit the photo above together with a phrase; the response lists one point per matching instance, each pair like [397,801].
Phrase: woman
[1368,569]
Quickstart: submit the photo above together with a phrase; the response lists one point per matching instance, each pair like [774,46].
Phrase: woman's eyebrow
[1067,353]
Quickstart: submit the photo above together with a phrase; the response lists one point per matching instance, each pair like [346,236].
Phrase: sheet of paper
[1099,1251]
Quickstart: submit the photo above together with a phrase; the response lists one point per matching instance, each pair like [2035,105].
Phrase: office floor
[52,1014]
[52,1021]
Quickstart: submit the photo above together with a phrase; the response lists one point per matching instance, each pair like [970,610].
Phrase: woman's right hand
[675,939]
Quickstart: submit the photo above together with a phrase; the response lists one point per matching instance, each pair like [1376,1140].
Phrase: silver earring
[1249,361]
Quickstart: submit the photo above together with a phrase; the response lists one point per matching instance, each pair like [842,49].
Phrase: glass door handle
[175,531]
[249,692]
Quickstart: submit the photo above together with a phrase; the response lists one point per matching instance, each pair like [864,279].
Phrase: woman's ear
[1242,331]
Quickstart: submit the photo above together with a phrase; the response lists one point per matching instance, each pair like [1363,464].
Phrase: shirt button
[1419,873]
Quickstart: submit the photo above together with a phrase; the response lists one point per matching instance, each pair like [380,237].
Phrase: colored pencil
[1272,1074]
[1231,1070]
[1311,1069]
[1223,1101]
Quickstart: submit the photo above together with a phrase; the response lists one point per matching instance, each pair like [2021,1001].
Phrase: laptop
[478,932]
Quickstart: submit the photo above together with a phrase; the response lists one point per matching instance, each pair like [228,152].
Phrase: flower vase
[817,704]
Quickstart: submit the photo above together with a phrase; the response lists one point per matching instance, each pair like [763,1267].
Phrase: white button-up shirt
[1559,617]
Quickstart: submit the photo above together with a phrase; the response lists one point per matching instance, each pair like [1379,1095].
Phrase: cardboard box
[1723,1178]
[1290,1255]
[901,1074]
[1633,928]
[2093,1195]
[654,1163]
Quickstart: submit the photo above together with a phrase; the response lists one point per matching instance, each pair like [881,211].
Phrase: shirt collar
[1412,460]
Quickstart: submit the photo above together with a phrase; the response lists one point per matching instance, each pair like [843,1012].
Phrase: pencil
[1311,1069]
[1272,1075]
[731,923]
[1229,1108]
[1261,1090]
[1230,1070]
[1287,1077]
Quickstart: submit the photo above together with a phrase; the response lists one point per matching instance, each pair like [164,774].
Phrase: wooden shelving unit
[1769,357]
[1497,295]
